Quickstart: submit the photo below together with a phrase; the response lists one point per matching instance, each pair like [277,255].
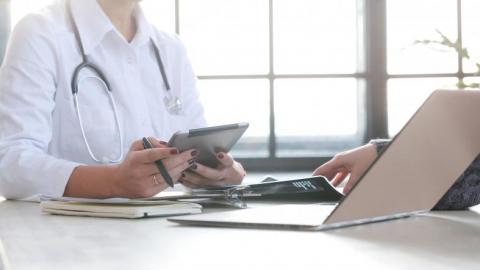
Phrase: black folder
[310,189]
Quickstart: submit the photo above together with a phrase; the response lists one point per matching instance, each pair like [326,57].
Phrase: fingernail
[194,153]
[174,151]
[183,175]
[194,166]
[220,155]
[162,142]
[191,161]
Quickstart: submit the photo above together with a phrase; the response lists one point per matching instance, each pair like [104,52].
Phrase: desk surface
[32,240]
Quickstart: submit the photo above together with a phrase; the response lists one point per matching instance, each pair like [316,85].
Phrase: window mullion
[272,144]
[376,68]
[4,26]
[177,17]
[460,39]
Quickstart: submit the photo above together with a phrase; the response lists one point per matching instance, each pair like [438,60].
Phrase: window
[407,21]
[405,95]
[310,81]
[284,66]
[416,70]
[18,8]
[470,22]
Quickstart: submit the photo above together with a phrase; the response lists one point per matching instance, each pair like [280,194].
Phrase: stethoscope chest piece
[173,104]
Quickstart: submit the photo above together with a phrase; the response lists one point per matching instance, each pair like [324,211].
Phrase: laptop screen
[421,163]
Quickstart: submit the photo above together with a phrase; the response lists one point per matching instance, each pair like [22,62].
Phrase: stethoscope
[173,104]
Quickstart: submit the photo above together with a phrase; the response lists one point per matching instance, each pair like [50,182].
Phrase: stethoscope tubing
[173,104]
[95,69]
[104,160]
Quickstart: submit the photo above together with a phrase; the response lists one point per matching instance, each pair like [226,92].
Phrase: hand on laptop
[349,165]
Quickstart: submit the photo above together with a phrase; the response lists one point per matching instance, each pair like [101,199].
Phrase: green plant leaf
[446,41]
[461,84]
[448,44]
[465,53]
[474,85]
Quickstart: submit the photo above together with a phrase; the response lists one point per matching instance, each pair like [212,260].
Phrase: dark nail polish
[220,155]
[183,175]
[194,166]
[194,153]
[174,151]
[191,161]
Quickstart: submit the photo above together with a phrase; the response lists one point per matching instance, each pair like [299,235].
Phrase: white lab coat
[40,138]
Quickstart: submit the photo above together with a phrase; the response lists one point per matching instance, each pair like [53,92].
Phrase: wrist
[114,179]
[380,144]
[94,182]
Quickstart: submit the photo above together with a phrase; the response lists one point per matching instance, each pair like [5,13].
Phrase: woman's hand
[350,164]
[229,172]
[138,176]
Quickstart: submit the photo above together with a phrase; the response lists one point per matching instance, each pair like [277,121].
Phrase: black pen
[163,171]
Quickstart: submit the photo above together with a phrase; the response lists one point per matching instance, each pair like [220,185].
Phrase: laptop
[419,166]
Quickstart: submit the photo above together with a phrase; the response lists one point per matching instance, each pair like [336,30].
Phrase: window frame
[371,71]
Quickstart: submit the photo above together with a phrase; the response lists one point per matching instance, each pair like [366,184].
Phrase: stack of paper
[118,208]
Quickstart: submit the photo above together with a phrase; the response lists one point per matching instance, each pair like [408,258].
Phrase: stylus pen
[163,171]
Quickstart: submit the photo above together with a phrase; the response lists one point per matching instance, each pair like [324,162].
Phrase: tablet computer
[209,141]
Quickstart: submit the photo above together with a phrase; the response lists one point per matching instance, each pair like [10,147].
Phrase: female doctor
[81,83]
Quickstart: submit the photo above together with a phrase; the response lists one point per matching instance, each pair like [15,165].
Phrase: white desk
[34,240]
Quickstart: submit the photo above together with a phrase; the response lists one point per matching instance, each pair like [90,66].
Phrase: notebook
[3,259]
[119,208]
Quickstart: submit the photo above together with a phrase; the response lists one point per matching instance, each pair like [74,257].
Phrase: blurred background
[312,77]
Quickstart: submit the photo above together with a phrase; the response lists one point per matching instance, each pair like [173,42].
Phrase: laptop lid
[413,173]
[422,162]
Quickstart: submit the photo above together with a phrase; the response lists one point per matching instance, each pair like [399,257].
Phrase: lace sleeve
[465,192]
[380,144]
